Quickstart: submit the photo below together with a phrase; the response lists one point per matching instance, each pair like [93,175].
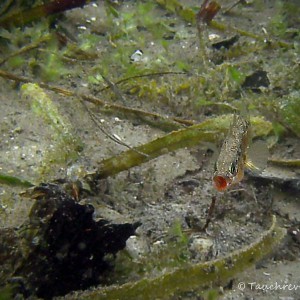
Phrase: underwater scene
[150,149]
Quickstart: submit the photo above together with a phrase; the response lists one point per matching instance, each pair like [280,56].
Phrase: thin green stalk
[208,131]
[293,163]
[14,181]
[26,48]
[154,119]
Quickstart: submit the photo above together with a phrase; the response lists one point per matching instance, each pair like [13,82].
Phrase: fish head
[223,180]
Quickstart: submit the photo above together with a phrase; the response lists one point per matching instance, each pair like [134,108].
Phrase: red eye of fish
[220,183]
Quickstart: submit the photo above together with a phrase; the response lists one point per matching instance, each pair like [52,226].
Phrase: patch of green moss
[236,75]
[176,7]
[286,19]
[291,12]
[289,112]
[16,62]
[19,37]
[277,25]
[52,69]
[177,245]
[7,292]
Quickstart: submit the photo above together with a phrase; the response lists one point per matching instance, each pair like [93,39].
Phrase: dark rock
[225,43]
[256,80]
[65,248]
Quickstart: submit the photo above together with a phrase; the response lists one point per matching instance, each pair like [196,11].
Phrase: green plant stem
[143,75]
[27,48]
[286,162]
[154,119]
[14,181]
[208,131]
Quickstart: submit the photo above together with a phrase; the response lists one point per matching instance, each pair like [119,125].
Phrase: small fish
[229,168]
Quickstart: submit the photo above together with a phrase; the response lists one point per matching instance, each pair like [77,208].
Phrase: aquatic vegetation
[65,144]
[288,110]
[37,49]
[51,66]
[286,162]
[157,120]
[193,106]
[189,16]
[193,276]
[7,292]
[207,131]
[14,181]
[176,7]
[285,20]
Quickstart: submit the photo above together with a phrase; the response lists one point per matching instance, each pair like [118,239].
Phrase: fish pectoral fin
[257,156]
[252,167]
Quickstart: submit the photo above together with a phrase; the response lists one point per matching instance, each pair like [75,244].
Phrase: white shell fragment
[136,56]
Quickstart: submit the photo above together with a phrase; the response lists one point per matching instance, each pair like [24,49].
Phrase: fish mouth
[221,182]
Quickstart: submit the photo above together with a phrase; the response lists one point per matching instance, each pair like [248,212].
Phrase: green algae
[288,110]
[14,181]
[195,276]
[7,292]
[174,6]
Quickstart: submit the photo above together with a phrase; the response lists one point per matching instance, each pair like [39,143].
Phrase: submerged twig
[210,212]
[207,12]
[114,89]
[143,75]
[26,48]
[154,119]
[190,17]
[97,122]
[175,6]
[234,4]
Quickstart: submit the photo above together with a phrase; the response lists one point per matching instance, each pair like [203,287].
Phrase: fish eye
[215,166]
[233,168]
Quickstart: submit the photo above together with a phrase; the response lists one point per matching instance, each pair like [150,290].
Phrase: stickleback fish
[230,166]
